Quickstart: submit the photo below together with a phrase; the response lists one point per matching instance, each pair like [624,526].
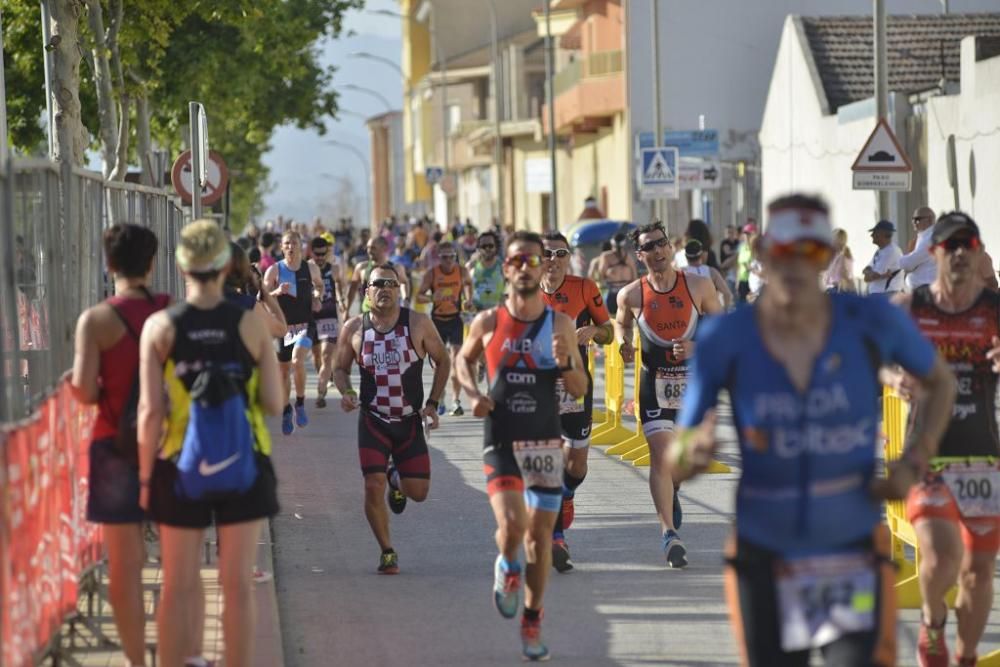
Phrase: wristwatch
[431,403]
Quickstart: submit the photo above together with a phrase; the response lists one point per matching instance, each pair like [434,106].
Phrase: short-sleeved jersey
[446,292]
[808,457]
[581,299]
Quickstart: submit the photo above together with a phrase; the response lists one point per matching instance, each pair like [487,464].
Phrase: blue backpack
[217,459]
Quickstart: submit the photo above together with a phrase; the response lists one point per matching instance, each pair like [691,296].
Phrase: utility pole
[498,142]
[550,89]
[659,206]
[881,86]
[3,103]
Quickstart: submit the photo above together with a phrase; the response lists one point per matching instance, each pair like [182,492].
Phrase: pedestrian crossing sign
[659,173]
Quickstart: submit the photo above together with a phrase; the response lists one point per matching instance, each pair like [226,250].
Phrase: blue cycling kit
[808,457]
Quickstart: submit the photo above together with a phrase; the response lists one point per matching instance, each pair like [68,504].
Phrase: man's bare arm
[472,350]
[573,376]
[436,350]
[425,286]
[344,356]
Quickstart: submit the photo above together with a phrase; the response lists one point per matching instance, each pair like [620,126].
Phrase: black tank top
[328,306]
[392,385]
[297,304]
[964,339]
[204,337]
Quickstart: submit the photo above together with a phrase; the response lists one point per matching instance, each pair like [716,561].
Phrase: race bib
[326,328]
[296,332]
[975,487]
[822,598]
[567,404]
[670,386]
[540,461]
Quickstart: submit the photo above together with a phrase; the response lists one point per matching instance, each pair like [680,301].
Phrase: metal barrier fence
[52,266]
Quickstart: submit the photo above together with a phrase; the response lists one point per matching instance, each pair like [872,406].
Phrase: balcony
[588,92]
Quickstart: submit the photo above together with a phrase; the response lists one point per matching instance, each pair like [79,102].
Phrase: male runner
[327,319]
[955,510]
[298,287]
[809,565]
[487,272]
[615,269]
[668,304]
[580,299]
[448,287]
[528,348]
[389,344]
[378,253]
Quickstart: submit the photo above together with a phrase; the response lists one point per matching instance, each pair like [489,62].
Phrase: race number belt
[296,332]
[326,328]
[540,461]
[975,485]
[567,403]
[670,386]
[822,598]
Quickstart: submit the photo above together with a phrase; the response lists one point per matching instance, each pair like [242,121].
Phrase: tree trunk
[71,135]
[144,141]
[107,111]
[121,147]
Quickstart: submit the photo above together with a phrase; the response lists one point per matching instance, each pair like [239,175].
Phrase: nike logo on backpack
[207,469]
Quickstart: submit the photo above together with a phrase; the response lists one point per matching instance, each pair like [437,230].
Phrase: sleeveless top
[581,300]
[487,285]
[203,338]
[119,363]
[446,290]
[963,339]
[522,372]
[297,304]
[665,317]
[392,385]
[328,305]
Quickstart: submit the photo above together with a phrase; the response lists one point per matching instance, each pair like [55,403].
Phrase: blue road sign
[689,143]
[658,175]
[433,174]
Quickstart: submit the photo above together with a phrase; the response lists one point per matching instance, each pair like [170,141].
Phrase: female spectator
[243,288]
[208,340]
[839,276]
[105,372]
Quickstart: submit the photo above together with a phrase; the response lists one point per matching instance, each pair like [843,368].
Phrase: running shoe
[674,550]
[506,588]
[533,649]
[457,411]
[396,498]
[287,424]
[560,556]
[932,651]
[441,410]
[678,512]
[301,418]
[321,402]
[568,511]
[388,563]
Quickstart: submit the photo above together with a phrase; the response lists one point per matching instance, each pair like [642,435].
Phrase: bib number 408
[538,463]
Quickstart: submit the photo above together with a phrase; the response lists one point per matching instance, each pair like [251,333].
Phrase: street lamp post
[371,56]
[498,142]
[369,91]
[549,80]
[364,162]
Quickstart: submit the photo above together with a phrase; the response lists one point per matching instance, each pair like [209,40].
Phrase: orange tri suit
[446,308]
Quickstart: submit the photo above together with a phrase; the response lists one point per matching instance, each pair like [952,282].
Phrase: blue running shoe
[287,425]
[506,588]
[441,409]
[532,647]
[301,419]
[678,513]
[674,550]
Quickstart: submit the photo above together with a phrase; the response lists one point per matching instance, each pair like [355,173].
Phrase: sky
[304,169]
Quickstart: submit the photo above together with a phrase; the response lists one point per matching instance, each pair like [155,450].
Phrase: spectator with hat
[883,274]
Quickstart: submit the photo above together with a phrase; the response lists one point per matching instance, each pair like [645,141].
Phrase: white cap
[788,225]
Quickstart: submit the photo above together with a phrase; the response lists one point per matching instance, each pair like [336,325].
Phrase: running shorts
[504,474]
[298,336]
[113,493]
[611,300]
[452,330]
[170,509]
[654,419]
[577,418]
[751,594]
[402,440]
[932,499]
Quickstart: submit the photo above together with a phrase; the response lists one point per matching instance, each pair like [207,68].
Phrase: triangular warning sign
[882,152]
[658,169]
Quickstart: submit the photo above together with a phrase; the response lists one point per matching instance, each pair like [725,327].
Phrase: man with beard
[389,343]
[326,321]
[528,348]
[486,272]
[667,305]
[580,299]
[378,252]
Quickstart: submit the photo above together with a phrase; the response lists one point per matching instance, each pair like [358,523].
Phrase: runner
[389,344]
[327,319]
[378,252]
[487,272]
[448,287]
[669,305]
[958,503]
[528,348]
[298,286]
[580,299]
[615,269]
[694,254]
[808,565]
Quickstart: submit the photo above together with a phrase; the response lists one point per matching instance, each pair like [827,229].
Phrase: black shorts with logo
[452,330]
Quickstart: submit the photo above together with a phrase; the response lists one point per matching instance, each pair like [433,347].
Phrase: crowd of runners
[505,318]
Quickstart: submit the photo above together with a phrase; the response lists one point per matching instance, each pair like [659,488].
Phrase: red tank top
[119,362]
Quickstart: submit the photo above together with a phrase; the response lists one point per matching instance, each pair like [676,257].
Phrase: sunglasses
[447,256]
[966,242]
[648,246]
[558,252]
[522,260]
[319,254]
[384,283]
[814,251]
[487,246]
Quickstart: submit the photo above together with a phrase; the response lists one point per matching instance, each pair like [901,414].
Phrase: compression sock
[557,530]
[508,566]
[532,615]
[300,401]
[571,483]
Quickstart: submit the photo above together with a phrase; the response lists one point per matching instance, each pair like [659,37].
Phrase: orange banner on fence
[45,540]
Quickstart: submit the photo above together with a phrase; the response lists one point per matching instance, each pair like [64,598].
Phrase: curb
[269,651]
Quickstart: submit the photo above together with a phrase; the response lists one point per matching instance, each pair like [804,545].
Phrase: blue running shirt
[808,458]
